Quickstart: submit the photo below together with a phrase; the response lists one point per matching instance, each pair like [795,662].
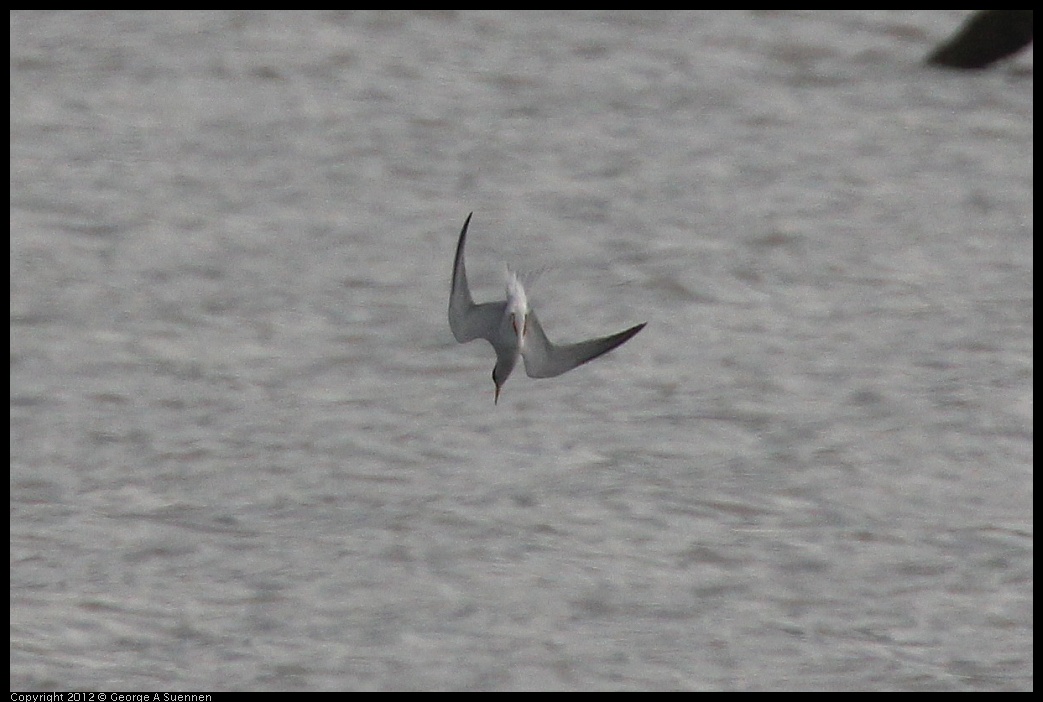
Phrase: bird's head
[501,371]
[499,384]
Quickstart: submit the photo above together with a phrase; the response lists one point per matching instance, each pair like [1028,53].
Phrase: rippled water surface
[247,453]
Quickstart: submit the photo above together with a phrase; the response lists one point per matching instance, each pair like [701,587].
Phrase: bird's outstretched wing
[468,320]
[545,360]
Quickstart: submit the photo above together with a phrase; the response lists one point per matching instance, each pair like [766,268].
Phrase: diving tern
[514,331]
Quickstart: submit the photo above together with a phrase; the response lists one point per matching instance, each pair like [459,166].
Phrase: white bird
[514,331]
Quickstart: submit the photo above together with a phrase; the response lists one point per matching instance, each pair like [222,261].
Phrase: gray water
[247,453]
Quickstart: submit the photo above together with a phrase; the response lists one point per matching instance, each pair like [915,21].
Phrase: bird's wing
[468,320]
[545,360]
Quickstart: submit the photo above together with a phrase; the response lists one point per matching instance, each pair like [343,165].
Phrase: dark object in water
[988,36]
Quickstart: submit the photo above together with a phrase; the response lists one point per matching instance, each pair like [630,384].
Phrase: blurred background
[246,452]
